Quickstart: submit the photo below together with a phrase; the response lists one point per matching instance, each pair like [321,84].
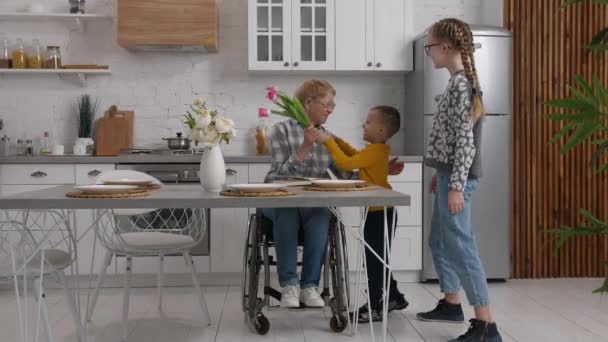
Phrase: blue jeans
[286,222]
[454,247]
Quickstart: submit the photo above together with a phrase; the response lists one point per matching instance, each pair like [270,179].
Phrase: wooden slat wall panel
[548,188]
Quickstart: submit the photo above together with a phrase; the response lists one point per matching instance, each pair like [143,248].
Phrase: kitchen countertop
[142,159]
[189,196]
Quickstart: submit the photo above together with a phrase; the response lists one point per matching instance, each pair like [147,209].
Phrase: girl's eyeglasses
[427,48]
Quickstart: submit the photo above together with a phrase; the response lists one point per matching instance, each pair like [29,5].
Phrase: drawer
[38,174]
[412,172]
[87,173]
[407,249]
[412,215]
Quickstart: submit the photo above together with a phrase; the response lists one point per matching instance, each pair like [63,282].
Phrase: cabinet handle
[295,64]
[231,172]
[38,174]
[370,64]
[378,65]
[286,64]
[94,173]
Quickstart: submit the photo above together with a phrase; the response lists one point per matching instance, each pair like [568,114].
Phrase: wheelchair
[256,258]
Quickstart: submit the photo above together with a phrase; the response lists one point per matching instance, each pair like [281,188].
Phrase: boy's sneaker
[365,316]
[398,303]
[289,297]
[311,298]
[443,312]
[480,331]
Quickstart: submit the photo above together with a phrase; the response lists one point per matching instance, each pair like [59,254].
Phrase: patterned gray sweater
[454,141]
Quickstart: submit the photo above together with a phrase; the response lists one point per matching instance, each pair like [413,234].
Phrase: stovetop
[157,152]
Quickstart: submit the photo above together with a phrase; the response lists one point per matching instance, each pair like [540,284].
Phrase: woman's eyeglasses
[327,105]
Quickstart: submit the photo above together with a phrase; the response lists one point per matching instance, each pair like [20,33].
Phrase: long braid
[459,34]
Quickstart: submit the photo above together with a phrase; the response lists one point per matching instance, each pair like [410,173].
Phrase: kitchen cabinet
[407,245]
[228,227]
[341,35]
[291,35]
[374,35]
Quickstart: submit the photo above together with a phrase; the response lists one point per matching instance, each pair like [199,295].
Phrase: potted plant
[585,121]
[85,110]
[209,128]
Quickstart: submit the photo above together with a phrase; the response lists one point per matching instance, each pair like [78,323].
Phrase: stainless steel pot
[178,143]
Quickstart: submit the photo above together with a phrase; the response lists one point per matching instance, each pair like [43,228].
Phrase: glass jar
[261,132]
[77,6]
[35,59]
[19,55]
[6,61]
[53,59]
[20,147]
[29,148]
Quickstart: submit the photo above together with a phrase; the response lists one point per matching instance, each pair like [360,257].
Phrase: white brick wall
[158,86]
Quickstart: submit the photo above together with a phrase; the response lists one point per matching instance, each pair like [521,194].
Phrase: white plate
[105,189]
[128,181]
[262,187]
[337,183]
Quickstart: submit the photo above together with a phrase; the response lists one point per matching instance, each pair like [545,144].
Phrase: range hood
[168,25]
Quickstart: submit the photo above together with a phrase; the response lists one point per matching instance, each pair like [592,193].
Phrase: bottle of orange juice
[262,133]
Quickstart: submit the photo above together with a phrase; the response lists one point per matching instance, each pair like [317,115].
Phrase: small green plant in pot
[585,118]
[85,110]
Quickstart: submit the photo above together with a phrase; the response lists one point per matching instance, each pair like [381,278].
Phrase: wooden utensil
[114,132]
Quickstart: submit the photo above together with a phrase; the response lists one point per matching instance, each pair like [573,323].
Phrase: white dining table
[187,196]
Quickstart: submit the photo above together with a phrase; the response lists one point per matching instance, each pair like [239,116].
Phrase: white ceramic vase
[212,173]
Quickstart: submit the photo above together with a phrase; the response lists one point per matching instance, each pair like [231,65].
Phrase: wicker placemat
[280,193]
[365,187]
[130,194]
[153,186]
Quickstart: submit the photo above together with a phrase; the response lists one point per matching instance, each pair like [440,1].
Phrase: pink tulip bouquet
[290,106]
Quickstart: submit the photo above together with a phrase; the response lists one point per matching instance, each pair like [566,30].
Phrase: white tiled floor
[526,310]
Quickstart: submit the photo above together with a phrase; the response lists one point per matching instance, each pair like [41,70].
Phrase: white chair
[34,245]
[147,232]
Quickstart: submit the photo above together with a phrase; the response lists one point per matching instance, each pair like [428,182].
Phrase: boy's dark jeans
[374,236]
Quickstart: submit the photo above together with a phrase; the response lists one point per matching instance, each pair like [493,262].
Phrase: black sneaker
[480,331]
[365,316]
[398,303]
[443,312]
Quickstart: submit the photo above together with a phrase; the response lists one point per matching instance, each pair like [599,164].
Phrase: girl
[454,151]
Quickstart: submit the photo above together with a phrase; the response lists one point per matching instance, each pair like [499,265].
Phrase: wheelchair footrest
[272,293]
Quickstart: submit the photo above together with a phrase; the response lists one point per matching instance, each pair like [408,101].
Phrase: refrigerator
[490,217]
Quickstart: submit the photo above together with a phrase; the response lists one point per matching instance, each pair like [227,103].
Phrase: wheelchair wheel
[251,267]
[262,324]
[338,323]
[340,276]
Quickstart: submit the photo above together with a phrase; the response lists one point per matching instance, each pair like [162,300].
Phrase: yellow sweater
[372,161]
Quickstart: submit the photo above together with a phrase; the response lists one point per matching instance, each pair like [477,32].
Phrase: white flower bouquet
[207,127]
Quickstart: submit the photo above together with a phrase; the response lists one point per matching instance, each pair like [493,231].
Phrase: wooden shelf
[80,20]
[80,74]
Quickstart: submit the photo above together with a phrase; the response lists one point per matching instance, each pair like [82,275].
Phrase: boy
[382,123]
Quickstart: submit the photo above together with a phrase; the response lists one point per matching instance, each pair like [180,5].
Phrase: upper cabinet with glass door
[313,34]
[357,35]
[270,34]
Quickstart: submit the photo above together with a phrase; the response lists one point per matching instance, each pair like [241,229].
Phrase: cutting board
[114,132]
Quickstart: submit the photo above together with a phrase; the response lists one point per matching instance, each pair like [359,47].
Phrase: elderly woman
[295,152]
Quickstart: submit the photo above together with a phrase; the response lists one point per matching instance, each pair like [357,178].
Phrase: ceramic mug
[58,150]
[80,150]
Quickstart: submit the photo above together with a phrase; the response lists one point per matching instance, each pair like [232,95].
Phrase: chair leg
[160,282]
[197,287]
[125,300]
[40,294]
[71,300]
[102,274]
